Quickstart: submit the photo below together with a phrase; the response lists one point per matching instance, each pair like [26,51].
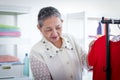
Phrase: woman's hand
[91,44]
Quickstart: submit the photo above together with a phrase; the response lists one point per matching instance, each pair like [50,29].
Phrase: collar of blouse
[52,50]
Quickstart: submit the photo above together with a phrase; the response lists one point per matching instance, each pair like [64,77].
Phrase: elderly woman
[56,56]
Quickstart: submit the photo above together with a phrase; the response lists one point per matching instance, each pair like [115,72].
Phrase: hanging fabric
[104,56]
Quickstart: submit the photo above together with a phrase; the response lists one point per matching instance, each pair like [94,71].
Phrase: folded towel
[17,34]
[8,58]
[7,26]
[9,30]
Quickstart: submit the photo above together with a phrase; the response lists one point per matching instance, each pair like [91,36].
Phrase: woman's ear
[38,26]
[62,21]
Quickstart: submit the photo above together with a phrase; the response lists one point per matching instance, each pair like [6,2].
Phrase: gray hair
[47,12]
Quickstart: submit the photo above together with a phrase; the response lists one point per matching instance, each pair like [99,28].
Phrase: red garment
[97,59]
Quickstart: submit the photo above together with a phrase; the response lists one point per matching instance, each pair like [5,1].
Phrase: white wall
[97,7]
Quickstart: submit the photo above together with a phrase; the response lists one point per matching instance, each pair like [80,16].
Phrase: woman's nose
[54,32]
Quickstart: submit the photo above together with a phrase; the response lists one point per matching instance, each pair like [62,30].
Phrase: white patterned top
[65,63]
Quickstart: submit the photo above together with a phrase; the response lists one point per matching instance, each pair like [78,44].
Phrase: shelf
[12,40]
[7,40]
[8,9]
[5,11]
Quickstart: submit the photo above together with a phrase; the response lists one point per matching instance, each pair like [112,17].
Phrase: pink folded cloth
[8,58]
[10,33]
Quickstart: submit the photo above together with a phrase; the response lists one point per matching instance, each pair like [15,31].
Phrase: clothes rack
[108,65]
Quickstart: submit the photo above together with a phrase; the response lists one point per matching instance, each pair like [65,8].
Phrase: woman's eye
[58,28]
[49,30]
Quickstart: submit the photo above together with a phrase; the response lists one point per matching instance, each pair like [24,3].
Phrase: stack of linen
[9,59]
[9,31]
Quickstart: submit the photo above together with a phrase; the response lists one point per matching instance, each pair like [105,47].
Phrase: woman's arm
[39,69]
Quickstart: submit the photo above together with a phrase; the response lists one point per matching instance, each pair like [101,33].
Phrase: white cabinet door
[76,26]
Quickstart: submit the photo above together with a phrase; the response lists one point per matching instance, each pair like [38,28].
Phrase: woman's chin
[54,39]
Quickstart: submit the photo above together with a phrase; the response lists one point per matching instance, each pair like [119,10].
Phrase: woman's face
[52,28]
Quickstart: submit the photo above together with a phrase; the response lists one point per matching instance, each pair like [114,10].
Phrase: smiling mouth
[54,37]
